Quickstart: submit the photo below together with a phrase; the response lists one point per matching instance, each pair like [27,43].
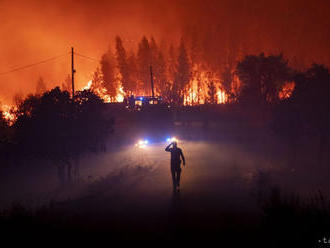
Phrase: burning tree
[182,76]
[108,71]
[212,93]
[143,64]
[123,67]
[262,77]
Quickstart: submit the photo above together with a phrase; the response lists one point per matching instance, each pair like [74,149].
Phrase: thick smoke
[35,30]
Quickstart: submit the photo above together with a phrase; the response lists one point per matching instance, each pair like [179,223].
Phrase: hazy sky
[32,31]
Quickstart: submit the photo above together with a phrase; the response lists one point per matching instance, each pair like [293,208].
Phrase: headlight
[142,144]
[171,139]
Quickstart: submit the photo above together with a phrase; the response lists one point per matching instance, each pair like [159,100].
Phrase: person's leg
[173,177]
[178,173]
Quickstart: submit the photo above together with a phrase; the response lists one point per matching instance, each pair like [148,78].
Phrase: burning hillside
[179,74]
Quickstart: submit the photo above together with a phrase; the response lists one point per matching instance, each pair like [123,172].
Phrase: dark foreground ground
[239,188]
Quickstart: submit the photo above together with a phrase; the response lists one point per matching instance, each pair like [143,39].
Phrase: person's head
[175,144]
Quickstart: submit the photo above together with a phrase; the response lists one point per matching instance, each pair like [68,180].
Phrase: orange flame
[103,93]
[199,91]
[286,90]
[88,85]
[221,97]
[8,114]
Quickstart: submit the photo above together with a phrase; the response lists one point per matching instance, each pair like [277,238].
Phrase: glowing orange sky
[31,31]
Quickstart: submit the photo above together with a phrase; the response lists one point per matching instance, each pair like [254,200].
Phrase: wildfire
[8,114]
[88,86]
[204,87]
[103,93]
[286,90]
[221,97]
[120,95]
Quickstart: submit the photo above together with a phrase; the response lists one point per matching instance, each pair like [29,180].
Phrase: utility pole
[152,82]
[73,71]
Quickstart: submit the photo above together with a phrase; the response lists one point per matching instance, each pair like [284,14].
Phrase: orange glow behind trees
[215,34]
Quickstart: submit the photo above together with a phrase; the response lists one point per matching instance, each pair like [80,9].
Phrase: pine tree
[160,74]
[144,62]
[108,71]
[182,76]
[97,80]
[123,66]
[171,63]
[133,72]
[227,78]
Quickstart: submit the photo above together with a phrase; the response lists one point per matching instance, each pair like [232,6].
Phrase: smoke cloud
[32,31]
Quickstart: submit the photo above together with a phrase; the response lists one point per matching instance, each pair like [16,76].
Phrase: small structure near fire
[140,102]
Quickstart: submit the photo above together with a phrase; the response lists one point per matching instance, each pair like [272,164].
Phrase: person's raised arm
[167,149]
[183,159]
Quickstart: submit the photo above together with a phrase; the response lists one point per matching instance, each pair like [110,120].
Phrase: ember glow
[102,92]
[88,86]
[8,114]
[214,33]
[286,90]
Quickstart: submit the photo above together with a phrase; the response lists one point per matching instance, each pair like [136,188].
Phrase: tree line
[54,127]
[185,69]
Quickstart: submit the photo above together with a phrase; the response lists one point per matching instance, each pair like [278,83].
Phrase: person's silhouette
[176,155]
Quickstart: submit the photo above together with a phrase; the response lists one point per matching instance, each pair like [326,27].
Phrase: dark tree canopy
[123,66]
[55,127]
[182,75]
[108,71]
[144,60]
[262,77]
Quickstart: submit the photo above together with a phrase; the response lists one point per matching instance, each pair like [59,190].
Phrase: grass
[109,211]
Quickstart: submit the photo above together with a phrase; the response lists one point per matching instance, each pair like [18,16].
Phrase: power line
[34,64]
[45,61]
[87,57]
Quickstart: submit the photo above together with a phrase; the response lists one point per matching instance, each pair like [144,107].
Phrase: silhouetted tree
[97,80]
[123,66]
[304,115]
[108,67]
[133,72]
[182,75]
[262,78]
[288,123]
[3,129]
[171,63]
[311,95]
[160,74]
[171,70]
[154,51]
[227,78]
[144,58]
[4,139]
[54,127]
